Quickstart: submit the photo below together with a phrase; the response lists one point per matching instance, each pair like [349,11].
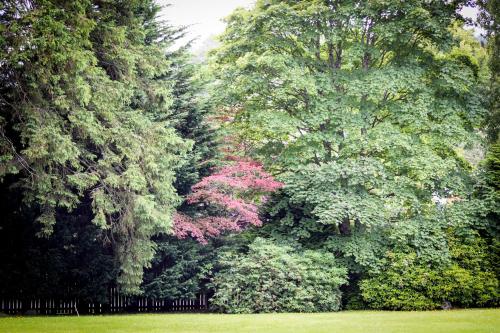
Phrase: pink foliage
[236,190]
[243,175]
[202,228]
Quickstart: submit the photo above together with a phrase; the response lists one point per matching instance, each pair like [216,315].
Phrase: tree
[72,263]
[177,269]
[488,194]
[191,117]
[82,119]
[488,19]
[235,192]
[361,108]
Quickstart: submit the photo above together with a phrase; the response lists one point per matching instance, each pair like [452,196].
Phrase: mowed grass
[487,320]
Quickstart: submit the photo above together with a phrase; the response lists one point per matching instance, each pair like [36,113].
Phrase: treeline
[328,155]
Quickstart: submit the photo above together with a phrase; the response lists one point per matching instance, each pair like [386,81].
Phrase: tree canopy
[364,109]
[328,154]
[83,119]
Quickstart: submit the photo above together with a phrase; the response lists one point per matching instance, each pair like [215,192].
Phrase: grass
[487,320]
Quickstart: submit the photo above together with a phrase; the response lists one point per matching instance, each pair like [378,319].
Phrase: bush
[469,280]
[277,278]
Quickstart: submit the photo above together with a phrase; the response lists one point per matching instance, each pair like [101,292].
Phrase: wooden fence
[117,304]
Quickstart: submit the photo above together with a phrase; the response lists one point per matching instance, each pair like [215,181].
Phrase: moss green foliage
[460,321]
[490,185]
[407,284]
[278,278]
[82,119]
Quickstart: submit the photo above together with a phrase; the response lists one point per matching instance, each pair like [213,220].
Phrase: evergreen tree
[191,116]
[178,266]
[488,196]
[82,119]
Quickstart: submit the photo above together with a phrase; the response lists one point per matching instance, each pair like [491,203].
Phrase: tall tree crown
[82,118]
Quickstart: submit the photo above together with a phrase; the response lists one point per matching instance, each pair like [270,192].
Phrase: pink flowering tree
[235,192]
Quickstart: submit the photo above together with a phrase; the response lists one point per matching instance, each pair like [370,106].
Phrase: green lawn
[343,322]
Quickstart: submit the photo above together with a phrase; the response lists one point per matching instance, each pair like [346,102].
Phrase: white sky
[205,16]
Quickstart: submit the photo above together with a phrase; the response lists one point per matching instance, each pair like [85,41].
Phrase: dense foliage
[278,278]
[177,267]
[329,154]
[406,284]
[82,115]
[236,191]
[489,20]
[72,263]
[367,111]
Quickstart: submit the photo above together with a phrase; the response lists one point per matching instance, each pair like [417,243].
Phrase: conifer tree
[84,119]
[176,270]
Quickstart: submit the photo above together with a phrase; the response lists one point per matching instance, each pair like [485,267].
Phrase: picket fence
[118,303]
